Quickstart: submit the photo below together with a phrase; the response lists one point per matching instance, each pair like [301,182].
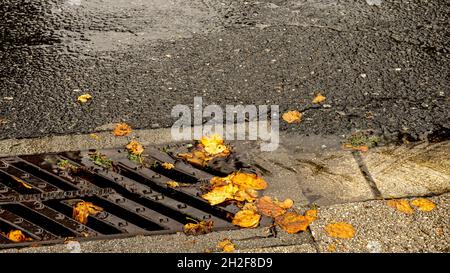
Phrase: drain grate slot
[137,199]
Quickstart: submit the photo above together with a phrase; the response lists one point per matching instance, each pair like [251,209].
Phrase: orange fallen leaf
[292,222]
[248,181]
[197,228]
[168,166]
[319,99]
[226,245]
[122,129]
[423,204]
[246,218]
[311,215]
[84,98]
[135,148]
[292,116]
[248,195]
[220,194]
[362,148]
[17,236]
[173,184]
[22,182]
[400,205]
[269,207]
[83,209]
[208,149]
[196,158]
[340,230]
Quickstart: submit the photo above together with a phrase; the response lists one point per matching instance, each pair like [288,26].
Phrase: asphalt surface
[382,67]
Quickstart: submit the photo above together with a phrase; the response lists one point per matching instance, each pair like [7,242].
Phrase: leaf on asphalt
[340,230]
[207,149]
[83,209]
[197,228]
[214,145]
[226,245]
[292,222]
[168,166]
[17,236]
[84,98]
[22,182]
[221,194]
[273,208]
[246,218]
[135,148]
[423,204]
[400,205]
[122,129]
[292,116]
[319,99]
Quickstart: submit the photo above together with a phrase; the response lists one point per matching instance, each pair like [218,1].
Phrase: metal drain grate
[136,199]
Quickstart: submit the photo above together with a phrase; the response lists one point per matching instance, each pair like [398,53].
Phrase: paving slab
[380,228]
[410,170]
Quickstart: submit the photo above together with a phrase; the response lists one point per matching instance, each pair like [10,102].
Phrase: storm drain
[37,196]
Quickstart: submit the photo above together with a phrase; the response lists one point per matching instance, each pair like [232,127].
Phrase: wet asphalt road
[385,68]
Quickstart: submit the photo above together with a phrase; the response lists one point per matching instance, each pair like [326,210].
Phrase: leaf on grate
[423,204]
[167,166]
[197,228]
[83,209]
[400,205]
[22,182]
[122,129]
[100,159]
[135,148]
[17,236]
[214,145]
[221,194]
[292,116]
[340,230]
[206,150]
[226,245]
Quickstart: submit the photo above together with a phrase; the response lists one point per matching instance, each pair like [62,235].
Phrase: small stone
[363,75]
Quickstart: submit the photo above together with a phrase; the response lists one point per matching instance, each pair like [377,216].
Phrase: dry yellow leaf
[214,145]
[196,158]
[248,181]
[247,219]
[220,194]
[84,98]
[201,227]
[292,116]
[401,205]
[286,204]
[173,184]
[292,222]
[83,209]
[122,129]
[363,148]
[340,230]
[22,182]
[17,236]
[269,208]
[319,99]
[135,147]
[168,166]
[423,204]
[226,245]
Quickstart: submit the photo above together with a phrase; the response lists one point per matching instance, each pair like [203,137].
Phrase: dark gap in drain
[190,200]
[39,220]
[124,214]
[42,174]
[92,223]
[8,181]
